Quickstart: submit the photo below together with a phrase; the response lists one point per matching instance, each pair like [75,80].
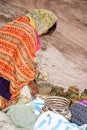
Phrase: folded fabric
[6,123]
[5,88]
[22,115]
[79,113]
[84,102]
[38,104]
[53,121]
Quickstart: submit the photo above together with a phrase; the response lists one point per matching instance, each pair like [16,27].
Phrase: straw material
[58,105]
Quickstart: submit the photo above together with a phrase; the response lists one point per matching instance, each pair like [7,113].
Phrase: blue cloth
[5,88]
[38,104]
[53,121]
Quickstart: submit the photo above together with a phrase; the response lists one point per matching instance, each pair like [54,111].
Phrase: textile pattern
[18,44]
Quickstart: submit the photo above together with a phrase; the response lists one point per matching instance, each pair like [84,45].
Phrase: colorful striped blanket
[18,44]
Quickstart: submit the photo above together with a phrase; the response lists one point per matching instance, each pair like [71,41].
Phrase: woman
[18,43]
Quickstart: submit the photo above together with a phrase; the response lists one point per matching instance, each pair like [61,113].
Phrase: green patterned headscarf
[44,19]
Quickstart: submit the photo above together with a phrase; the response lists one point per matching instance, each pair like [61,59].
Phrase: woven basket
[58,105]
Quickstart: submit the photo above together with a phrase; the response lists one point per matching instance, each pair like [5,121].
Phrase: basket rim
[56,98]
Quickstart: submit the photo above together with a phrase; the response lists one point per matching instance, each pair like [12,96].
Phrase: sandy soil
[65,59]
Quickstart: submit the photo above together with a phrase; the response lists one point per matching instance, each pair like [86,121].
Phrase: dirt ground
[65,59]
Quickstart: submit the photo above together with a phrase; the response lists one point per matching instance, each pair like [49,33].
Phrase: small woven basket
[58,105]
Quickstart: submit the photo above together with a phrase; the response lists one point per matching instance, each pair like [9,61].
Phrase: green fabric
[22,115]
[44,19]
[86,128]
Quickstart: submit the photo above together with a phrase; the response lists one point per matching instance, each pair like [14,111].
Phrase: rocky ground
[65,59]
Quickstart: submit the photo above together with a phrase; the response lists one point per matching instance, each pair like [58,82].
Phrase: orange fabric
[18,44]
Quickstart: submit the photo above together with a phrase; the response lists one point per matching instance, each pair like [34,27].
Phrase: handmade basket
[58,105]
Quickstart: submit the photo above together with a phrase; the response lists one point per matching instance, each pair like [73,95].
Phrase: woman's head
[50,30]
[45,21]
